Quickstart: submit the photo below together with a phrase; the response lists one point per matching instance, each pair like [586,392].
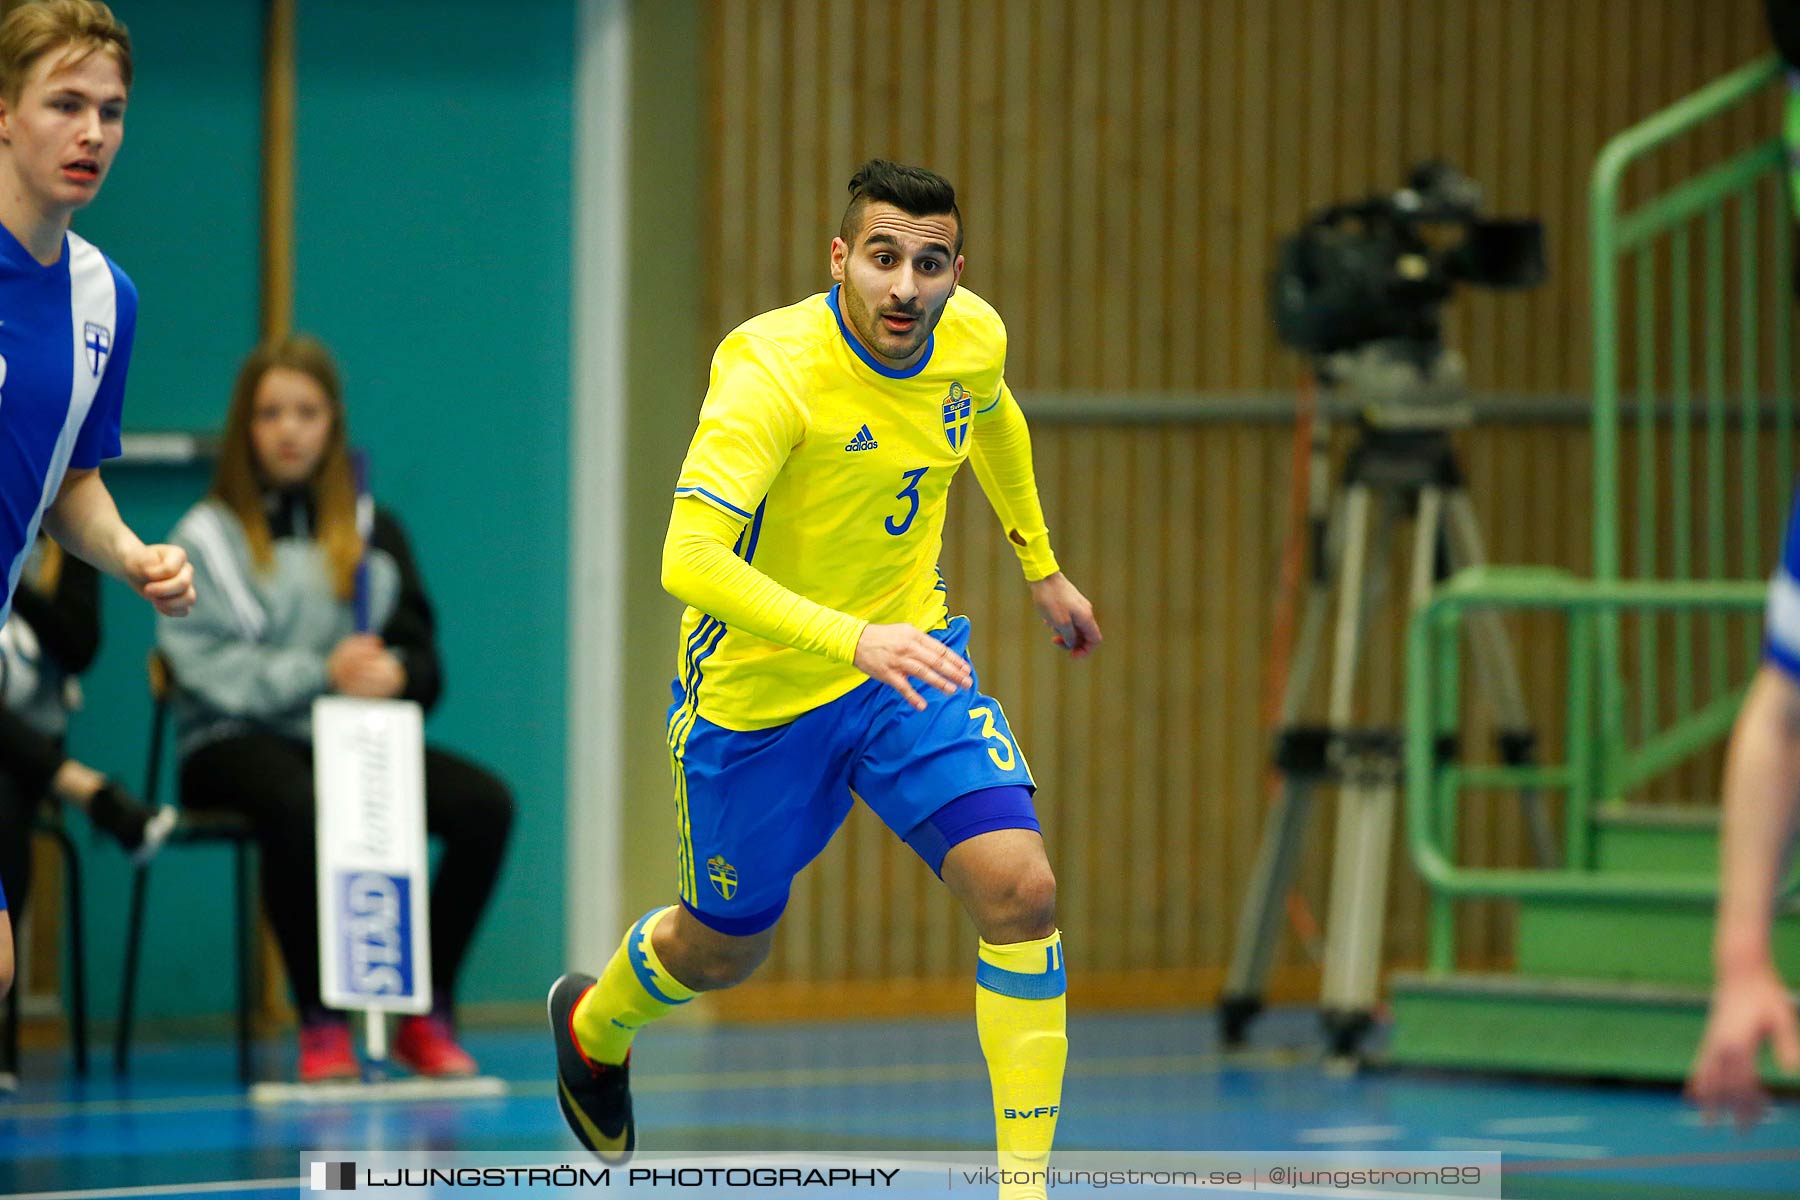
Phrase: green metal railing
[1691,389]
[1684,485]
[1434,707]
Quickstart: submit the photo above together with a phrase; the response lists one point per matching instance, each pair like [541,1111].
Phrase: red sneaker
[426,1046]
[325,1052]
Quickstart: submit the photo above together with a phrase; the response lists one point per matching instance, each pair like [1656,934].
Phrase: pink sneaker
[325,1052]
[425,1045]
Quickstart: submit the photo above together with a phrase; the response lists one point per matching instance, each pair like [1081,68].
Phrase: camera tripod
[1399,466]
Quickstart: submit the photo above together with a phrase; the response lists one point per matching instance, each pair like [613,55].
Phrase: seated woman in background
[276,545]
[51,637]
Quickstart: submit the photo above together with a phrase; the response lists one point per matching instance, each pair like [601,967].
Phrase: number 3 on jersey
[910,494]
[990,731]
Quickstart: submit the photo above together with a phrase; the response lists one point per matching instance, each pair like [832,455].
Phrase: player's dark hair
[913,190]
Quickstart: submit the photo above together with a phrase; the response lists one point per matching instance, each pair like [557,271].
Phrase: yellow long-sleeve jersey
[812,501]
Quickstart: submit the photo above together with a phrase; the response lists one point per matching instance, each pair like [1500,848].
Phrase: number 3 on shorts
[988,730]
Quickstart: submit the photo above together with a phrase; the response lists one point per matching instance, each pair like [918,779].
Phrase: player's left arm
[1001,453]
[83,517]
[86,521]
[1750,1004]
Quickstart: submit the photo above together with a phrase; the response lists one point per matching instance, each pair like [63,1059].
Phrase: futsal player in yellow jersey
[818,659]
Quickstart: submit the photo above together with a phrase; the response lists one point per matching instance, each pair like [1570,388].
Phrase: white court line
[1694,1117]
[1350,1133]
[708,1081]
[170,1189]
[476,1087]
[1505,1146]
[1509,1126]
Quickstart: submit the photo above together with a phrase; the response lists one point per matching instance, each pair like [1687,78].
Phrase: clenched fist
[163,576]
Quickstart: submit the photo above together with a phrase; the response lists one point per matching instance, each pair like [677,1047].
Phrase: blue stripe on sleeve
[756,525]
[721,502]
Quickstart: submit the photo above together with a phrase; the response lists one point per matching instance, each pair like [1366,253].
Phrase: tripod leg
[1426,531]
[1305,663]
[1259,921]
[1359,870]
[1359,884]
[1300,760]
[1325,532]
[1497,677]
[1353,595]
[1300,757]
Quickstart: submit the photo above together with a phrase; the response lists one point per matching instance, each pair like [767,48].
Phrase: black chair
[194,829]
[51,826]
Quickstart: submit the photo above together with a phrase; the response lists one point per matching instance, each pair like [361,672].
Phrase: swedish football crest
[98,340]
[958,406]
[723,876]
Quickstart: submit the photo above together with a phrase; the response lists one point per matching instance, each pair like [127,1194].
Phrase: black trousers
[269,780]
[29,760]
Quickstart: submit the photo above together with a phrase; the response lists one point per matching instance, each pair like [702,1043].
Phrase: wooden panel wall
[1126,168]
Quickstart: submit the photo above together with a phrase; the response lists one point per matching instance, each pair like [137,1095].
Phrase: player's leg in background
[1003,878]
[986,845]
[752,809]
[18,810]
[667,958]
[593,1021]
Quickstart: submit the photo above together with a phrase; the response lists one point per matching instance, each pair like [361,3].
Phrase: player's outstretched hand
[1745,1013]
[1068,613]
[898,654]
[163,576]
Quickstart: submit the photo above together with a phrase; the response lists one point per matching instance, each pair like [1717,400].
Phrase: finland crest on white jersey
[59,327]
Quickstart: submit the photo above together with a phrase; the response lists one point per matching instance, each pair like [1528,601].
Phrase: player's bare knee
[1035,900]
[706,960]
[1021,905]
[728,964]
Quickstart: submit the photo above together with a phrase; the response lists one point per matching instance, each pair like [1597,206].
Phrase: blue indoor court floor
[180,1126]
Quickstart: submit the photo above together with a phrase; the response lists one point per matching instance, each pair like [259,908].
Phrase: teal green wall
[433,248]
[180,211]
[180,214]
[433,253]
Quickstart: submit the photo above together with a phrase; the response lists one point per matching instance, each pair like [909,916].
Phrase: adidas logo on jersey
[864,440]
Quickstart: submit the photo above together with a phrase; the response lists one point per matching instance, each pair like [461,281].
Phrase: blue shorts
[755,807]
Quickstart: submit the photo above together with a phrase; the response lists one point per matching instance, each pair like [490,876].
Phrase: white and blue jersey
[65,345]
[1781,633]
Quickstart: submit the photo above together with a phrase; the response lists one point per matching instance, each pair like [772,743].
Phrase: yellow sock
[634,990]
[1022,1016]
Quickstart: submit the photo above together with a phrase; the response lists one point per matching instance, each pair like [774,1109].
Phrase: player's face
[290,424]
[897,279]
[65,129]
